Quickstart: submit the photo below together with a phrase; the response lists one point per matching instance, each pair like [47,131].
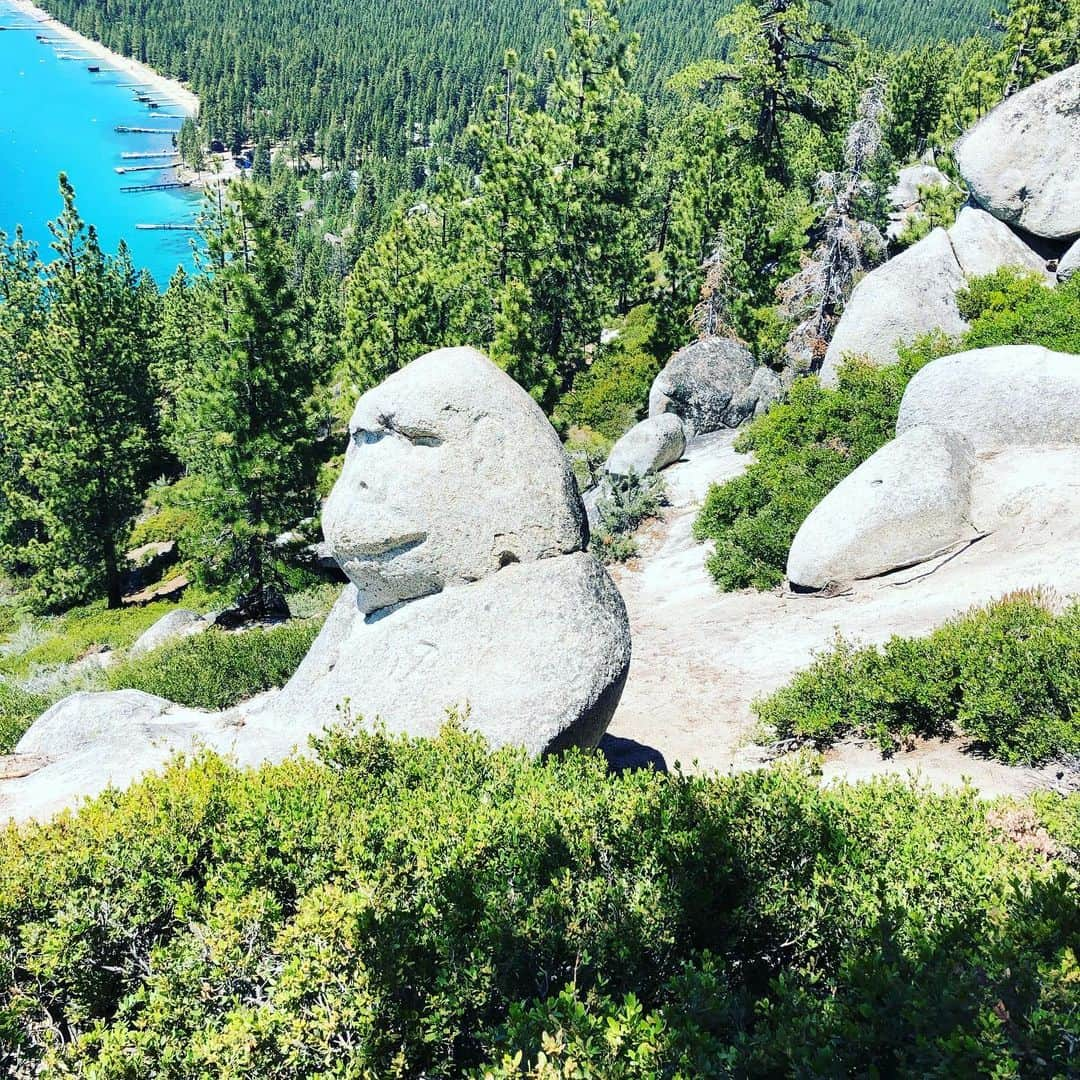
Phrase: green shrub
[1007,675]
[216,669]
[427,908]
[18,710]
[613,392]
[1011,307]
[803,448]
[628,501]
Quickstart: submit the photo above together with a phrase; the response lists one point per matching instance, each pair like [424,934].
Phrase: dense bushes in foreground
[806,446]
[1007,675]
[408,908]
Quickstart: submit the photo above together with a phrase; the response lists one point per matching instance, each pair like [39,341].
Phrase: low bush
[626,503]
[215,670]
[428,908]
[1007,675]
[806,446]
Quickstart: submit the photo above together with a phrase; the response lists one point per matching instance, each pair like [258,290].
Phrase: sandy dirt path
[701,656]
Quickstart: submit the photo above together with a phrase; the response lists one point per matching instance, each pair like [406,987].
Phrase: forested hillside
[355,76]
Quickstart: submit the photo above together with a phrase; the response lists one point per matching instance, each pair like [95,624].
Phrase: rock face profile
[1022,160]
[979,435]
[460,527]
[711,384]
[901,506]
[648,447]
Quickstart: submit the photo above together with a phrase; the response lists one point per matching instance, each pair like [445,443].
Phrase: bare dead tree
[849,246]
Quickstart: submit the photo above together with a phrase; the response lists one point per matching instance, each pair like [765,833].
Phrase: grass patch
[1007,675]
[216,670]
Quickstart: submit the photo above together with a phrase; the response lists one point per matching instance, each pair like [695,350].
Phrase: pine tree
[244,426]
[79,419]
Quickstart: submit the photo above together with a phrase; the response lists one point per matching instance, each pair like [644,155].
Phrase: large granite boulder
[452,471]
[1022,160]
[648,447]
[534,656]
[904,504]
[998,398]
[900,301]
[461,529]
[983,244]
[173,626]
[711,384]
[1069,263]
[915,293]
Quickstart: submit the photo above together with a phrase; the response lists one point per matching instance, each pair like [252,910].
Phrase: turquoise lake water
[56,116]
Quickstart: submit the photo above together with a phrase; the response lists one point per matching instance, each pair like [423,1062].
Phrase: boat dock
[170,185]
[122,169]
[169,228]
[137,155]
[121,130]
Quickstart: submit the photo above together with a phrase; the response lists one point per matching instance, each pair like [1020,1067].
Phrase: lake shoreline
[174,92]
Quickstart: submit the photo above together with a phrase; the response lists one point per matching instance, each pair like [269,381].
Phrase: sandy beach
[168,90]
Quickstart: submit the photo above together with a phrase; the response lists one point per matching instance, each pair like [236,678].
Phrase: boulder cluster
[711,384]
[1021,164]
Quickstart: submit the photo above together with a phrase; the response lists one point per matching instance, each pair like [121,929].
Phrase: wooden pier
[121,130]
[169,228]
[138,155]
[158,187]
[161,167]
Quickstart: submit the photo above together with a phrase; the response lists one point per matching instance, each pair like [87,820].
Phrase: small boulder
[906,503]
[998,398]
[648,447]
[982,244]
[1022,160]
[900,301]
[176,624]
[905,197]
[708,384]
[1069,263]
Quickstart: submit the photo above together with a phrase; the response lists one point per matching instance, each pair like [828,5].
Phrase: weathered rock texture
[999,398]
[982,244]
[899,301]
[648,447]
[904,504]
[1022,161]
[452,472]
[459,523]
[1069,263]
[711,384]
[915,293]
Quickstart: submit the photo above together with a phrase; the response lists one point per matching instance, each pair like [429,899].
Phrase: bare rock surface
[1022,160]
[983,244]
[172,626]
[998,398]
[1069,263]
[900,301]
[905,504]
[648,447]
[701,657]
